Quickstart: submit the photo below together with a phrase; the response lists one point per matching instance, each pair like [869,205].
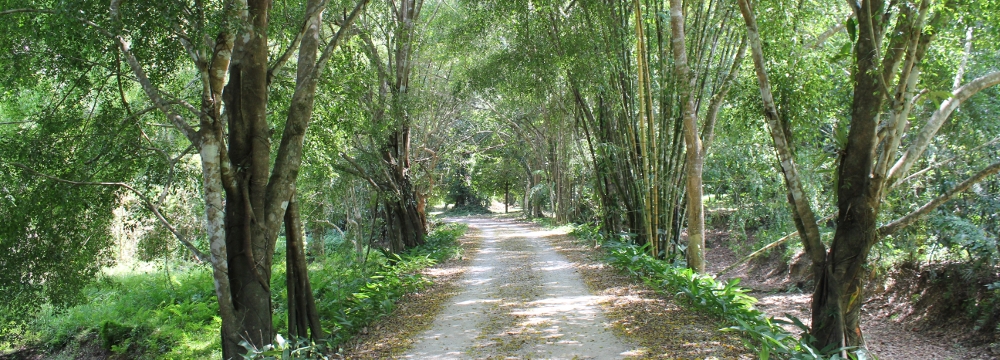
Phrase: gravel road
[522,299]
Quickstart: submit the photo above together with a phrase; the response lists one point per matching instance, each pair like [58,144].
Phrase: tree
[695,150]
[576,61]
[500,175]
[389,162]
[245,197]
[864,175]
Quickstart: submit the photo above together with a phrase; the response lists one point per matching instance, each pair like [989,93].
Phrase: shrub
[726,301]
[174,315]
[113,334]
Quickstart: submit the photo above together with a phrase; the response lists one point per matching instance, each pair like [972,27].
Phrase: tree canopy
[224,126]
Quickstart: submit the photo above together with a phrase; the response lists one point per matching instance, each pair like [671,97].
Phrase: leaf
[852,29]
[843,53]
[798,323]
[937,96]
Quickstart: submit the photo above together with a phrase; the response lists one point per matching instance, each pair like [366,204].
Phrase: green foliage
[727,301]
[497,172]
[173,315]
[285,350]
[958,234]
[467,211]
[963,230]
[351,292]
[67,110]
[354,301]
[460,187]
[113,334]
[54,239]
[587,232]
[158,315]
[489,75]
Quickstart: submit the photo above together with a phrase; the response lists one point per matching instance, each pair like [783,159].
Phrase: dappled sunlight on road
[583,304]
[520,299]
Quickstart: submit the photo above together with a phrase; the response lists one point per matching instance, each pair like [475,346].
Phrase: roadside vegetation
[268,168]
[727,301]
[150,312]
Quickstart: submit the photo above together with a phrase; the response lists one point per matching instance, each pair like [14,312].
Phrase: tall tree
[245,196]
[885,75]
[392,57]
[695,151]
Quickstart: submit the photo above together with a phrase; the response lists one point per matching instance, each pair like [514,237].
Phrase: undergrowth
[174,315]
[349,298]
[137,315]
[468,210]
[726,301]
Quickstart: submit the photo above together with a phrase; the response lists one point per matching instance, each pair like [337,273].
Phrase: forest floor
[524,292]
[889,333]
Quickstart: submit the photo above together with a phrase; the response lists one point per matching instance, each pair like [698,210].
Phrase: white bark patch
[208,149]
[219,246]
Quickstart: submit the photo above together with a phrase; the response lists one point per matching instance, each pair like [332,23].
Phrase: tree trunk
[256,203]
[250,151]
[506,195]
[406,228]
[837,299]
[303,319]
[317,246]
[536,203]
[422,208]
[695,160]
[242,229]
[802,214]
[215,228]
[526,208]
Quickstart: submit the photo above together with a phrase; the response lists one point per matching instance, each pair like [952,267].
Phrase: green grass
[148,314]
[470,210]
[138,312]
[725,300]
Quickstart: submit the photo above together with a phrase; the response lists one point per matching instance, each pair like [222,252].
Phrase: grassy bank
[154,312]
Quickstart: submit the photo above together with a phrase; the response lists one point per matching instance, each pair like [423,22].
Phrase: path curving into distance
[519,298]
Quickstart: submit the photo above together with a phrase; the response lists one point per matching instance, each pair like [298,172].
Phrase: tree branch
[767,247]
[830,32]
[151,91]
[27,10]
[927,132]
[943,162]
[330,224]
[271,71]
[147,86]
[360,172]
[912,217]
[332,45]
[146,201]
[802,211]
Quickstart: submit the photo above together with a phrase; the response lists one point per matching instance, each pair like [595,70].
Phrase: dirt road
[520,298]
